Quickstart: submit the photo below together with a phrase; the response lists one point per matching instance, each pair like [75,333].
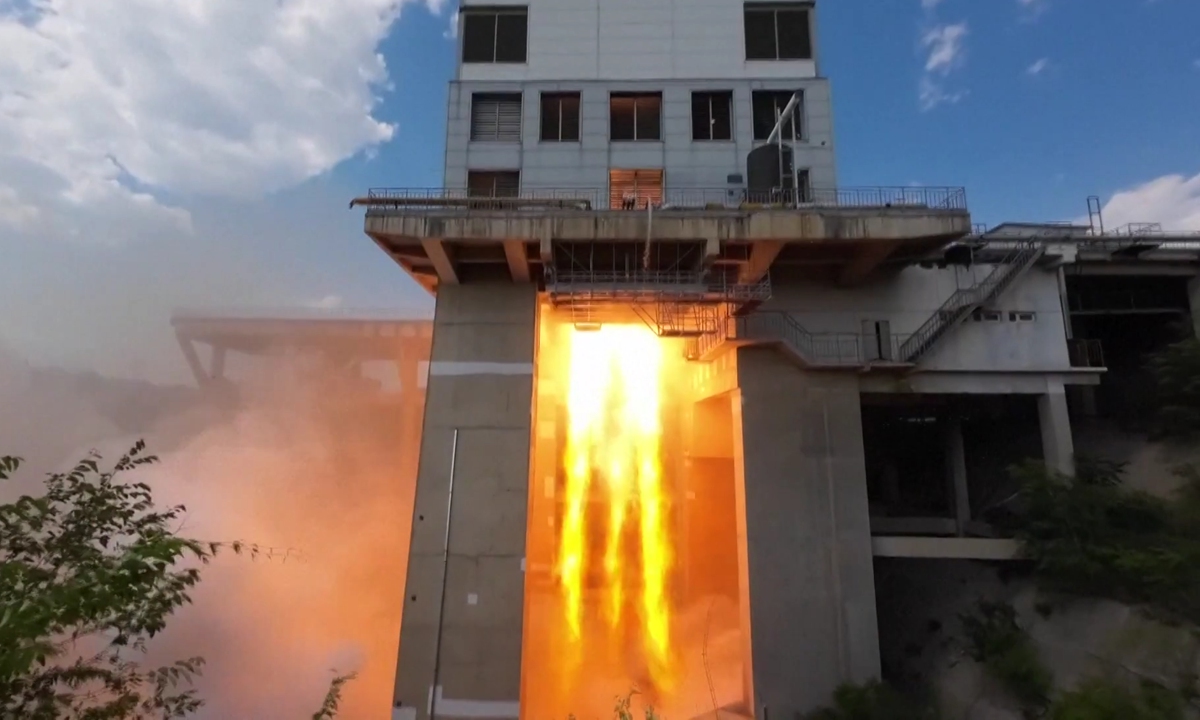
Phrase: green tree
[90,571]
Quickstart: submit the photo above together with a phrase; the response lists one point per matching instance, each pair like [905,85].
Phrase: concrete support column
[804,534]
[480,384]
[1058,447]
[956,475]
[1194,303]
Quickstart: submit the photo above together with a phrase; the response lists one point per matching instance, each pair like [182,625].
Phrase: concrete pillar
[808,592]
[480,384]
[1058,448]
[956,475]
[1194,303]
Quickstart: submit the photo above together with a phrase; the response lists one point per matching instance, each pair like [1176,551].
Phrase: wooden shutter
[636,188]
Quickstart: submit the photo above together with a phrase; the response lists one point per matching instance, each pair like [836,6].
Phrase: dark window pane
[795,42]
[569,105]
[760,35]
[701,118]
[649,117]
[511,32]
[620,121]
[550,117]
[479,37]
[722,120]
[766,104]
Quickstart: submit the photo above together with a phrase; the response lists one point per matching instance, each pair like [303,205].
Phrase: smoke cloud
[322,481]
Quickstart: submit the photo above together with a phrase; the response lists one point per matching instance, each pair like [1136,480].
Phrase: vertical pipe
[437,647]
[795,167]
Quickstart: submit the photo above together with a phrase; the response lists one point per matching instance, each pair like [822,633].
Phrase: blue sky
[156,154]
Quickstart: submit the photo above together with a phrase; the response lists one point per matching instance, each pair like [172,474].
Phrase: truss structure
[666,286]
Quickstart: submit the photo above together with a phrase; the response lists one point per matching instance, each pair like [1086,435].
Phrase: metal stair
[963,302]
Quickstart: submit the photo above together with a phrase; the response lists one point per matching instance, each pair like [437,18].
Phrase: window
[634,189]
[712,117]
[768,106]
[981,315]
[493,183]
[1021,316]
[560,117]
[634,116]
[778,31]
[496,117]
[495,35]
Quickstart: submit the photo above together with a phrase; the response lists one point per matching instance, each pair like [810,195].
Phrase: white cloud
[1172,200]
[945,48]
[110,107]
[1196,63]
[329,302]
[930,4]
[1031,9]
[945,44]
[452,29]
[1038,67]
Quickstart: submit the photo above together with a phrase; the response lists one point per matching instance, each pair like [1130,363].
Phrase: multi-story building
[857,367]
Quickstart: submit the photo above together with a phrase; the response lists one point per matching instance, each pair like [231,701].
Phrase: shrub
[1108,700]
[873,701]
[995,640]
[1096,538]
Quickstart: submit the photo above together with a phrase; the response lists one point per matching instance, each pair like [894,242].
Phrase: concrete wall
[908,299]
[635,39]
[585,164]
[805,533]
[480,383]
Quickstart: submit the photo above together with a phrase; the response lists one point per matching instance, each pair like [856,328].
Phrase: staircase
[963,302]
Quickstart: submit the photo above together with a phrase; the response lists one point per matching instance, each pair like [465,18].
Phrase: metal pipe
[787,111]
[437,647]
[795,166]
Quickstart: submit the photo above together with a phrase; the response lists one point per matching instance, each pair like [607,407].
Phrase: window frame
[499,98]
[806,51]
[557,97]
[635,96]
[495,13]
[710,95]
[494,176]
[797,113]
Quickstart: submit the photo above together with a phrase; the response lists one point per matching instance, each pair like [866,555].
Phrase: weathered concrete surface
[1057,444]
[805,534]
[480,383]
[748,225]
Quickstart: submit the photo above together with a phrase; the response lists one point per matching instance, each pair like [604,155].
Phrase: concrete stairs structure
[966,300]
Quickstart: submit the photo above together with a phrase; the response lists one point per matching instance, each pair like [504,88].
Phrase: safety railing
[812,349]
[603,199]
[1086,353]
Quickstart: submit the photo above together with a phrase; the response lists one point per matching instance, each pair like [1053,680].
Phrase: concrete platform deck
[492,239]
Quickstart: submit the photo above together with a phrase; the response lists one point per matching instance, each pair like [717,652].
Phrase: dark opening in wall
[495,35]
[768,107]
[778,31]
[1131,317]
[635,116]
[496,117]
[493,183]
[712,115]
[560,117]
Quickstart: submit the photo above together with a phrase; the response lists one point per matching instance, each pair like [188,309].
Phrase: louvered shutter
[496,118]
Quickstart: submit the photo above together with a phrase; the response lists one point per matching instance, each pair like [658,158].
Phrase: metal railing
[601,199]
[964,300]
[1086,353]
[812,349]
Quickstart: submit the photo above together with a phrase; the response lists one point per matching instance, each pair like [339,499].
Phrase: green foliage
[1094,538]
[623,710]
[1176,373]
[873,701]
[333,698]
[90,571]
[1107,700]
[995,640]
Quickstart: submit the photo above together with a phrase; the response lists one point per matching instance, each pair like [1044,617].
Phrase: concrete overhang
[451,245]
[364,335]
